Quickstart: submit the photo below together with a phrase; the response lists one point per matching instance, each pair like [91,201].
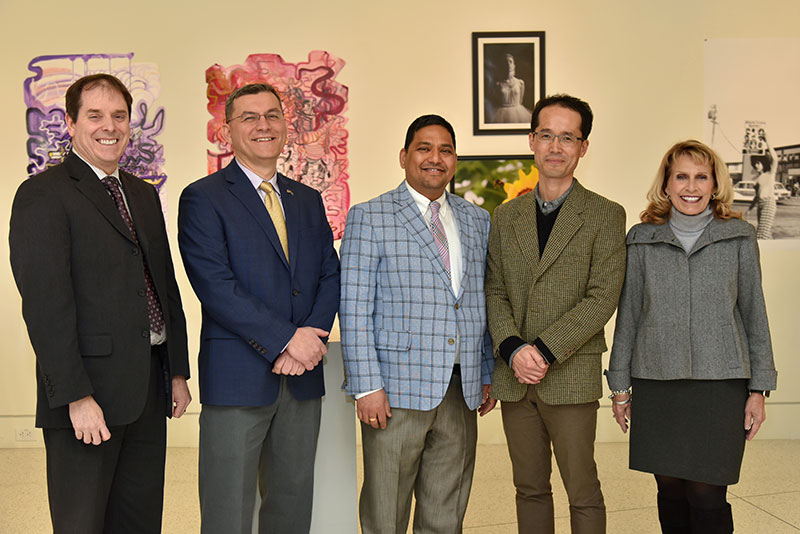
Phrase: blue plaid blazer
[398,314]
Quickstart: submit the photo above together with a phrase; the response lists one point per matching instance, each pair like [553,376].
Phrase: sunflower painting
[488,181]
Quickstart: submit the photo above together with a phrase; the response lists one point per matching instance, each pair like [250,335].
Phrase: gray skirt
[689,429]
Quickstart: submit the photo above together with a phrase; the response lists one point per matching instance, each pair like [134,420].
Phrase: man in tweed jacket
[554,274]
[417,353]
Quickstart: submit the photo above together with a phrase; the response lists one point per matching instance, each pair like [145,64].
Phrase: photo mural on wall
[48,139]
[314,103]
[751,114]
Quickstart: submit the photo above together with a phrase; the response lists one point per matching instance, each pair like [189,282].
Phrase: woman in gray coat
[691,341]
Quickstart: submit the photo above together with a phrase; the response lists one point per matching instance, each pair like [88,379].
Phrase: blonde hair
[659,206]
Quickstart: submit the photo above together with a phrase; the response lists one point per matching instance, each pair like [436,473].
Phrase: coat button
[451,341]
[295,292]
[141,292]
[135,251]
[458,305]
[145,333]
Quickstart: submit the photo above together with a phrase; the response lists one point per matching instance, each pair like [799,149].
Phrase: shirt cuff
[360,395]
[509,347]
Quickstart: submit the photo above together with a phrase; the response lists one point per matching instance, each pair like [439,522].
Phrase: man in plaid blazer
[417,354]
[554,274]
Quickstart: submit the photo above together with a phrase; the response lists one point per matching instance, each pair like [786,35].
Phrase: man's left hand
[180,396]
[286,365]
[488,402]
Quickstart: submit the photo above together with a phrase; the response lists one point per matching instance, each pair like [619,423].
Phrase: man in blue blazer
[417,354]
[259,254]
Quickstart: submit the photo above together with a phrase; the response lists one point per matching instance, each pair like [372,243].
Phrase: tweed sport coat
[565,298]
[693,316]
[398,314]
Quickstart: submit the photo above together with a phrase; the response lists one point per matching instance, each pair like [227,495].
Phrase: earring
[713,196]
[667,195]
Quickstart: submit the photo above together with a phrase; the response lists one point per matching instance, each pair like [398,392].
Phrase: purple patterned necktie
[153,308]
[439,237]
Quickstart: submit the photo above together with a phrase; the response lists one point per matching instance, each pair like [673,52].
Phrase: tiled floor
[766,500]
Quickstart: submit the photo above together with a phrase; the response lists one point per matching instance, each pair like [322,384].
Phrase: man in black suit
[92,263]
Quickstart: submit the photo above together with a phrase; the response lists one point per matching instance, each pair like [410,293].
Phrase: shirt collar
[423,202]
[99,172]
[256,179]
[552,205]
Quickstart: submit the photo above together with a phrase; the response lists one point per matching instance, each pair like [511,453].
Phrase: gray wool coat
[692,316]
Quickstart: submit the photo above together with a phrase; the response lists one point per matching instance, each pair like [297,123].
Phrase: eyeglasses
[564,139]
[250,117]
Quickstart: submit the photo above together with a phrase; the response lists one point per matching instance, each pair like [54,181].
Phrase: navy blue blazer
[253,300]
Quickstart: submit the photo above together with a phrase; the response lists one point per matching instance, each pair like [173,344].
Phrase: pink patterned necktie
[153,308]
[439,237]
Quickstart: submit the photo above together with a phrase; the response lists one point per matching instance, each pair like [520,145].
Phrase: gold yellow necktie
[276,214]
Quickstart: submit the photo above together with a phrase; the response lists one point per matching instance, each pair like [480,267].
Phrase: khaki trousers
[430,454]
[531,426]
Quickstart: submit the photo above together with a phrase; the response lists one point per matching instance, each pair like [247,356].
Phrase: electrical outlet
[25,434]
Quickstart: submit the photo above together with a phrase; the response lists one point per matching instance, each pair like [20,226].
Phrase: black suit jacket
[81,278]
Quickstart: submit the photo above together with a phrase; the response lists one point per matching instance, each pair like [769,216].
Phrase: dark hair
[249,89]
[569,102]
[766,162]
[75,91]
[428,120]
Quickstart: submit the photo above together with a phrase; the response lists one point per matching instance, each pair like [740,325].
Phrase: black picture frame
[502,102]
[482,180]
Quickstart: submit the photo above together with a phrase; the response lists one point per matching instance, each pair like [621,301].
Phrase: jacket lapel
[242,189]
[568,222]
[136,207]
[468,236]
[410,217]
[93,189]
[525,228]
[291,211]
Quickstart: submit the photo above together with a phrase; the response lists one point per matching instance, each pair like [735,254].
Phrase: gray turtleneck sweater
[688,228]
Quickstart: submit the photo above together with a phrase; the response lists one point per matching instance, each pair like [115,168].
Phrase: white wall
[639,64]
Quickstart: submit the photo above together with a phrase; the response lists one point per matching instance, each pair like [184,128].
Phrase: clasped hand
[304,351]
[529,365]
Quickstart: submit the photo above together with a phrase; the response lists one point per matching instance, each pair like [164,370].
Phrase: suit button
[295,292]
[135,251]
[145,333]
[458,305]
[451,341]
[141,292]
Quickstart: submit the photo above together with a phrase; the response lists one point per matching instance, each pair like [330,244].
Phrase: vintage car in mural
[745,190]
[781,193]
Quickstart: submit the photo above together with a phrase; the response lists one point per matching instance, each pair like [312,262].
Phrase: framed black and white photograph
[488,181]
[507,80]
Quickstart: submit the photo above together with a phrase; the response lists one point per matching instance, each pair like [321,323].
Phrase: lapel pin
[290,191]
